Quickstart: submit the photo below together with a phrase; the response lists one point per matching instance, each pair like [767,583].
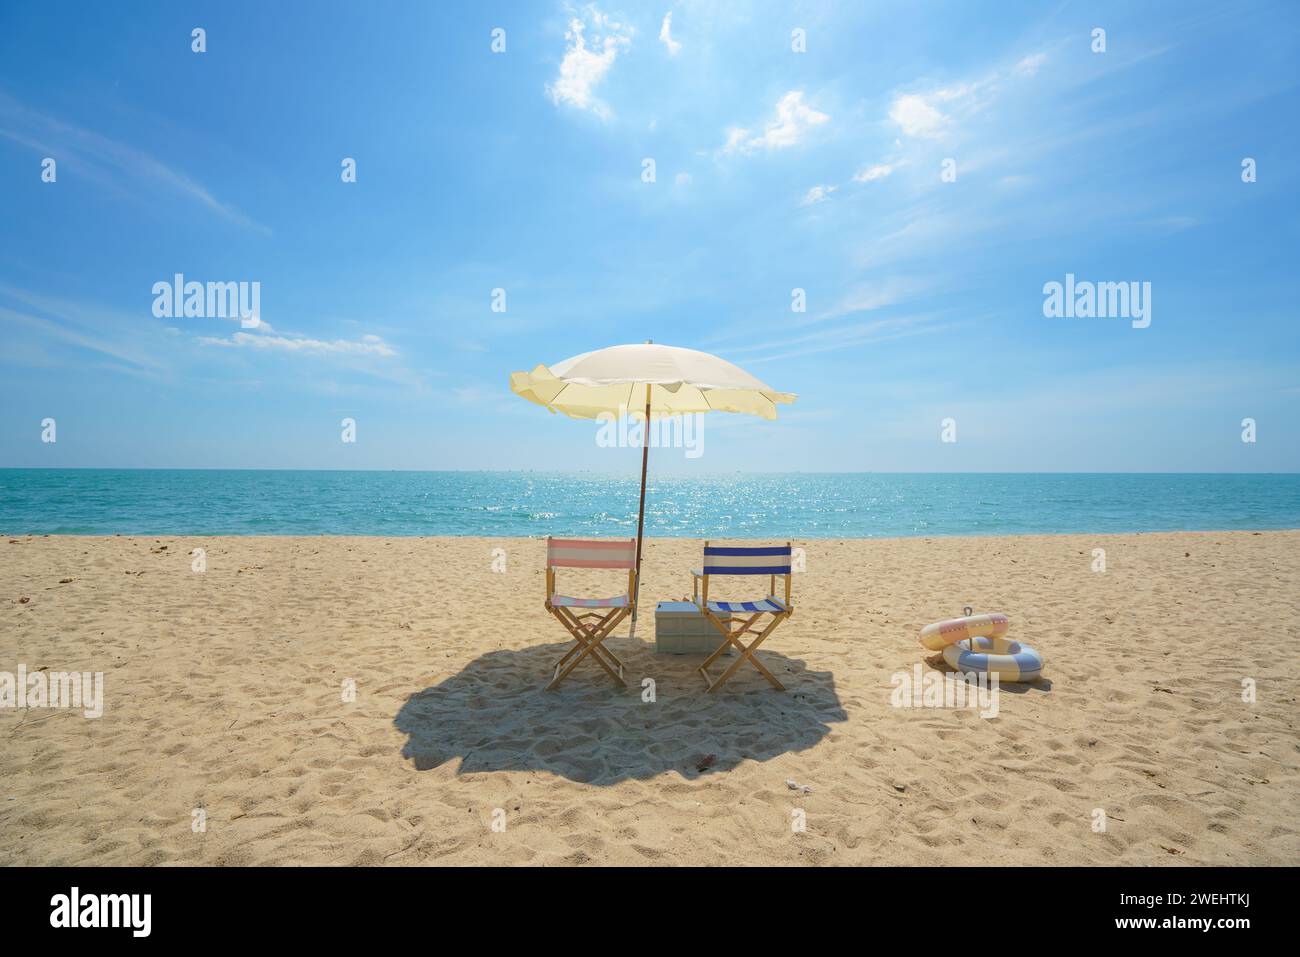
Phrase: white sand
[223,692]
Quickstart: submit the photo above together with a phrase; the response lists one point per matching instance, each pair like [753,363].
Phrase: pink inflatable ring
[941,634]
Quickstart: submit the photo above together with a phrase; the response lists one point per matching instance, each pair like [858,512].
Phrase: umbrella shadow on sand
[494,716]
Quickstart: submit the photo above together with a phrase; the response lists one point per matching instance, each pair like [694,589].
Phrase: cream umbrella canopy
[651,381]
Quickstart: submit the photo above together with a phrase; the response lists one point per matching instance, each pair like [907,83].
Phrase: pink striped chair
[589,620]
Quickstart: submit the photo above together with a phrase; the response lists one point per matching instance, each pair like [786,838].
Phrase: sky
[914,174]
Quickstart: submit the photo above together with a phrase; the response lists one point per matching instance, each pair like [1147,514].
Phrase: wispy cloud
[584,67]
[666,35]
[869,173]
[792,122]
[368,345]
[108,159]
[870,296]
[114,335]
[1030,64]
[76,337]
[922,114]
[818,194]
[846,337]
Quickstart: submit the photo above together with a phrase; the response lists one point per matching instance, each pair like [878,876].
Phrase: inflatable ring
[941,634]
[1009,660]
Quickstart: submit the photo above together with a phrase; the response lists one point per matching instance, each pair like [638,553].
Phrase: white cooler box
[681,629]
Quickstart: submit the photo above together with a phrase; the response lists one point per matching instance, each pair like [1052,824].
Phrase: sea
[779,506]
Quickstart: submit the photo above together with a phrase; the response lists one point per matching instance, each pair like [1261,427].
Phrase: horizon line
[153,468]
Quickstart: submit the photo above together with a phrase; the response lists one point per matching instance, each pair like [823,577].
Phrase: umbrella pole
[640,518]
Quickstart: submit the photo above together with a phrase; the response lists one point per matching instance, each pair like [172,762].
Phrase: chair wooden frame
[590,625]
[742,625]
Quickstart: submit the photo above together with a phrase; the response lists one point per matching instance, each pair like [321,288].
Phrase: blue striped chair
[770,560]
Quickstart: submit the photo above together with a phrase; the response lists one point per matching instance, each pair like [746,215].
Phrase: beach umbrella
[649,381]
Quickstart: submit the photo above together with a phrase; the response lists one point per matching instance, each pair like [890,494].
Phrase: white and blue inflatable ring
[1009,660]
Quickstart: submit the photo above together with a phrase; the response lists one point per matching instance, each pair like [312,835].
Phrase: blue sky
[774,170]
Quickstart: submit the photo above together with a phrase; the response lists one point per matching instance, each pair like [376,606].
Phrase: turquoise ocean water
[778,506]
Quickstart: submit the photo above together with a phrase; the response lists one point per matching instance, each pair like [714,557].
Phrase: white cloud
[879,171]
[735,139]
[788,127]
[916,116]
[666,35]
[365,346]
[583,68]
[818,194]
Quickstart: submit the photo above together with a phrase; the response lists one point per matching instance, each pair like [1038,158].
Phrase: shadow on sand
[494,716]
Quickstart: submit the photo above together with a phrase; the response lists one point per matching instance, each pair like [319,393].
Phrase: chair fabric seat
[564,601]
[769,604]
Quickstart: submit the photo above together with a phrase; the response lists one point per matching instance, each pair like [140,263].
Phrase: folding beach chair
[589,620]
[770,560]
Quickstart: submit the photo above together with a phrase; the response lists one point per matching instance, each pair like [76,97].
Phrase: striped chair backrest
[747,560]
[590,553]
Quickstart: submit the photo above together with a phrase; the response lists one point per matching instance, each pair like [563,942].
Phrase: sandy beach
[225,737]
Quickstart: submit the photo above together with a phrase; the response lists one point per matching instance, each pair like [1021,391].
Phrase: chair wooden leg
[731,636]
[587,641]
[746,654]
